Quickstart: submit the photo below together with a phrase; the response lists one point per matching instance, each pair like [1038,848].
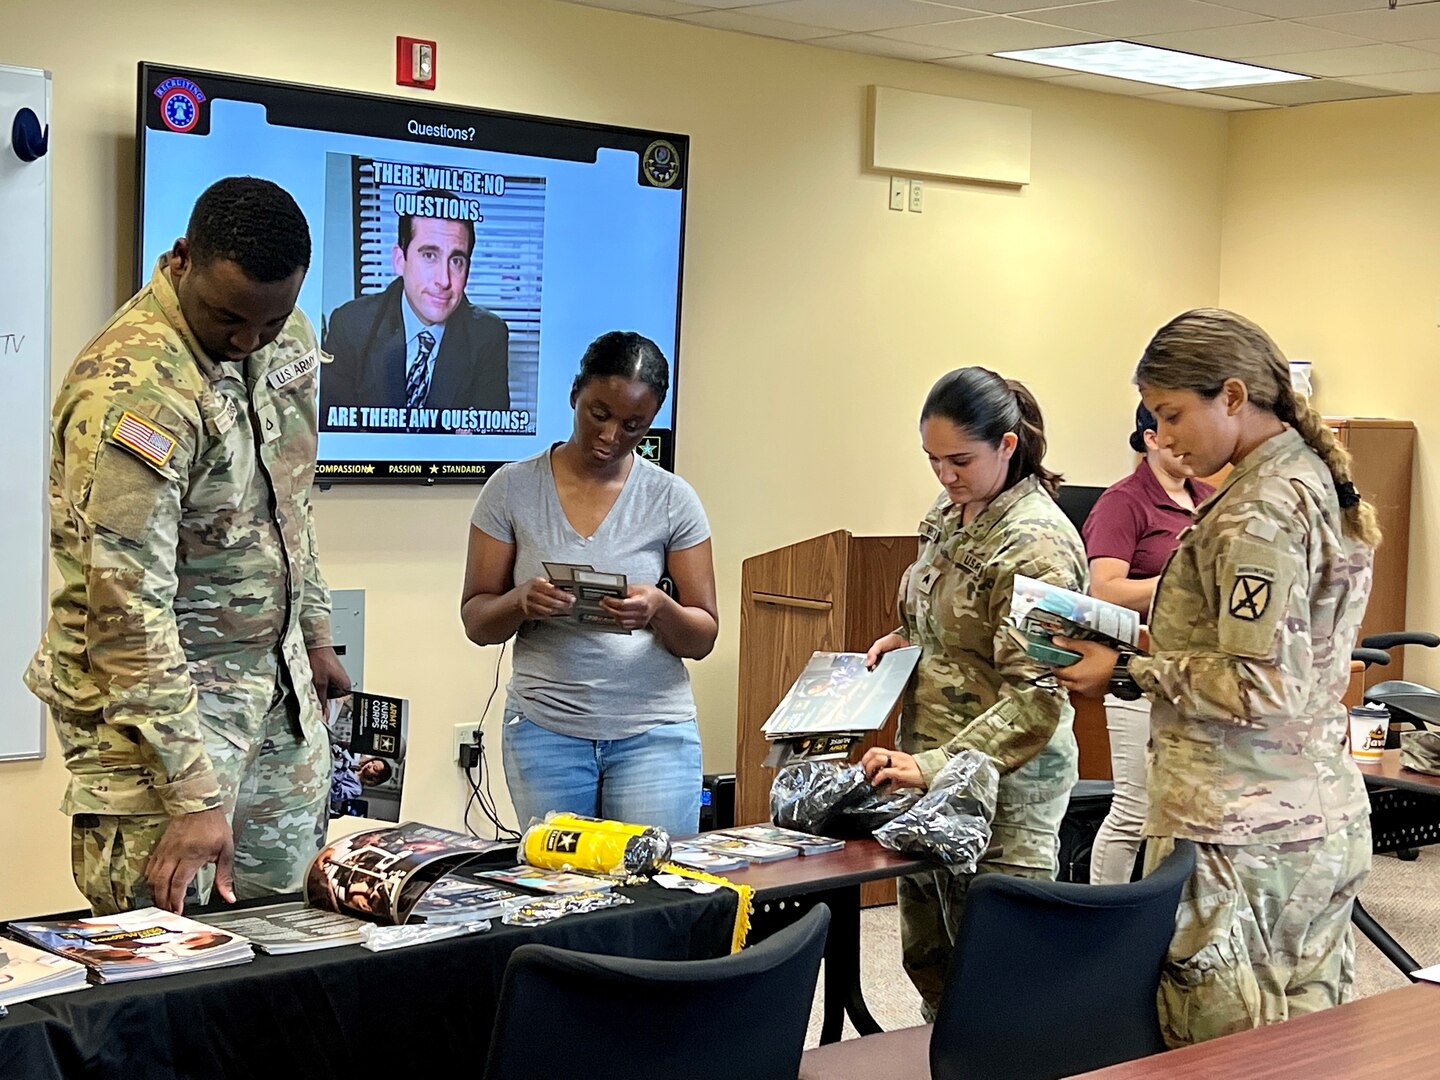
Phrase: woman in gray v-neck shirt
[598,723]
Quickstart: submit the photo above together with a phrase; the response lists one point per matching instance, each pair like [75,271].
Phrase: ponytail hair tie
[1347,494]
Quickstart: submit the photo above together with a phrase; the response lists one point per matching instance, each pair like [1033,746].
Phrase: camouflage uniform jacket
[974,686]
[181,527]
[1254,620]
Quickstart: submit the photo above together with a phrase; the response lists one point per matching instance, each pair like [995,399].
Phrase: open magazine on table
[382,875]
[1039,612]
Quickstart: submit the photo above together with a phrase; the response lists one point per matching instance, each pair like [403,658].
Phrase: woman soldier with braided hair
[1251,631]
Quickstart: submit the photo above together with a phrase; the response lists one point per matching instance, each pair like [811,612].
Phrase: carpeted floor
[1403,896]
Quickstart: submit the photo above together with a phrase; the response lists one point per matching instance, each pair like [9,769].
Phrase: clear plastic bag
[543,909]
[831,798]
[950,823]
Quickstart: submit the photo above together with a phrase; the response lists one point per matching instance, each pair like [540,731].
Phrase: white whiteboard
[24,435]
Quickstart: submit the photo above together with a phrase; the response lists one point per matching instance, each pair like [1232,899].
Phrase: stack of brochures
[137,944]
[805,843]
[278,929]
[734,849]
[691,854]
[752,851]
[30,973]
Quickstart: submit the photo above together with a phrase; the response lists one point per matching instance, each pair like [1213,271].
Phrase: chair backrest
[1050,979]
[1076,501]
[566,1014]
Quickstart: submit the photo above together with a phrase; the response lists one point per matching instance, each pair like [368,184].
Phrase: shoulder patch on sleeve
[1254,592]
[1251,592]
[144,438]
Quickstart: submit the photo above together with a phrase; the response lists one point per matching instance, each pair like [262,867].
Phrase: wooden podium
[831,593]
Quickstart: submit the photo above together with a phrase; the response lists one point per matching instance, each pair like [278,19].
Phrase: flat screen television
[577,229]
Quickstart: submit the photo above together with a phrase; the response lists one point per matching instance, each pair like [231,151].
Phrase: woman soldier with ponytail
[1251,633]
[974,687]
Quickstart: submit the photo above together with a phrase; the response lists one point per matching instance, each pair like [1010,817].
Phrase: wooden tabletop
[859,861]
[1390,1036]
[1390,773]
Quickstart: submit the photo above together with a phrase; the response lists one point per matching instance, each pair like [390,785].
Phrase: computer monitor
[572,229]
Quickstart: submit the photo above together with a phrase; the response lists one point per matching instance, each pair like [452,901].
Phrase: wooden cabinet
[831,593]
[1384,454]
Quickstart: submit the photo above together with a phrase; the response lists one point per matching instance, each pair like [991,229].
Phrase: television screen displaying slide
[462,258]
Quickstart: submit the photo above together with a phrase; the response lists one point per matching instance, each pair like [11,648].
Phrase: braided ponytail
[1360,522]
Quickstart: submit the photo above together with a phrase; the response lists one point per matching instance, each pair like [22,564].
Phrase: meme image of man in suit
[419,343]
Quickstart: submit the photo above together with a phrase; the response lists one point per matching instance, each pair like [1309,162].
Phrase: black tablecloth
[343,1013]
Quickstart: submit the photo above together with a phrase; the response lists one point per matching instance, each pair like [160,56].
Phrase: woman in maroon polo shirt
[1129,535]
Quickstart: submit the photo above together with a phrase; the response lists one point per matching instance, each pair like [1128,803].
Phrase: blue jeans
[648,779]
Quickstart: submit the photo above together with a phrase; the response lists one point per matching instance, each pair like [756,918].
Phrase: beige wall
[814,318]
[1331,241]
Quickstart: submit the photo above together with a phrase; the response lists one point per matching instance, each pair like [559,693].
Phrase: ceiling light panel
[1146,63]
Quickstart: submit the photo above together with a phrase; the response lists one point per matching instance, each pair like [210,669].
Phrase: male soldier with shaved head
[188,651]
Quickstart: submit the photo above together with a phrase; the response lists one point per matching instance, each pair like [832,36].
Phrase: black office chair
[1408,702]
[1076,501]
[1049,979]
[575,1016]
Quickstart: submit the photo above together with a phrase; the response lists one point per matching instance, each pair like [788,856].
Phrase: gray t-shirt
[568,679]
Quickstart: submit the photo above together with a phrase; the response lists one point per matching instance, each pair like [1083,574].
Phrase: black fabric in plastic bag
[832,798]
[951,822]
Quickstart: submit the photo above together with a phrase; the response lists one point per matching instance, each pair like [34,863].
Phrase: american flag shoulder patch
[143,438]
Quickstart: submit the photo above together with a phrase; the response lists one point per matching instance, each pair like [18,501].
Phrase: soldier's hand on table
[1090,675]
[190,842]
[888,643]
[327,675]
[637,609]
[540,599]
[893,767]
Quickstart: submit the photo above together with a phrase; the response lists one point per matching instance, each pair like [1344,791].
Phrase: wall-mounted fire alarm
[415,63]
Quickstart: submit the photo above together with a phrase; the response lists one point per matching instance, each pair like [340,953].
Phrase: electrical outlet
[897,193]
[464,736]
[917,195]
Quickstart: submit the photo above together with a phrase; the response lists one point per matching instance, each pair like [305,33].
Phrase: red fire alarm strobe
[415,63]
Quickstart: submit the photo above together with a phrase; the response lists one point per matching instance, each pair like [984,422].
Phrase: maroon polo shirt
[1137,522]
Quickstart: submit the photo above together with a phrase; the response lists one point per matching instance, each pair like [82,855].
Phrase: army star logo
[1249,597]
[563,841]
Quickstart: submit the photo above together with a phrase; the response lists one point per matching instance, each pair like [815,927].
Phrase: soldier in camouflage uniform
[1251,633]
[975,688]
[190,635]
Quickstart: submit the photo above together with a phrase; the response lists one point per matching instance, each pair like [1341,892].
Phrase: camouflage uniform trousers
[276,795]
[1262,934]
[933,903]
